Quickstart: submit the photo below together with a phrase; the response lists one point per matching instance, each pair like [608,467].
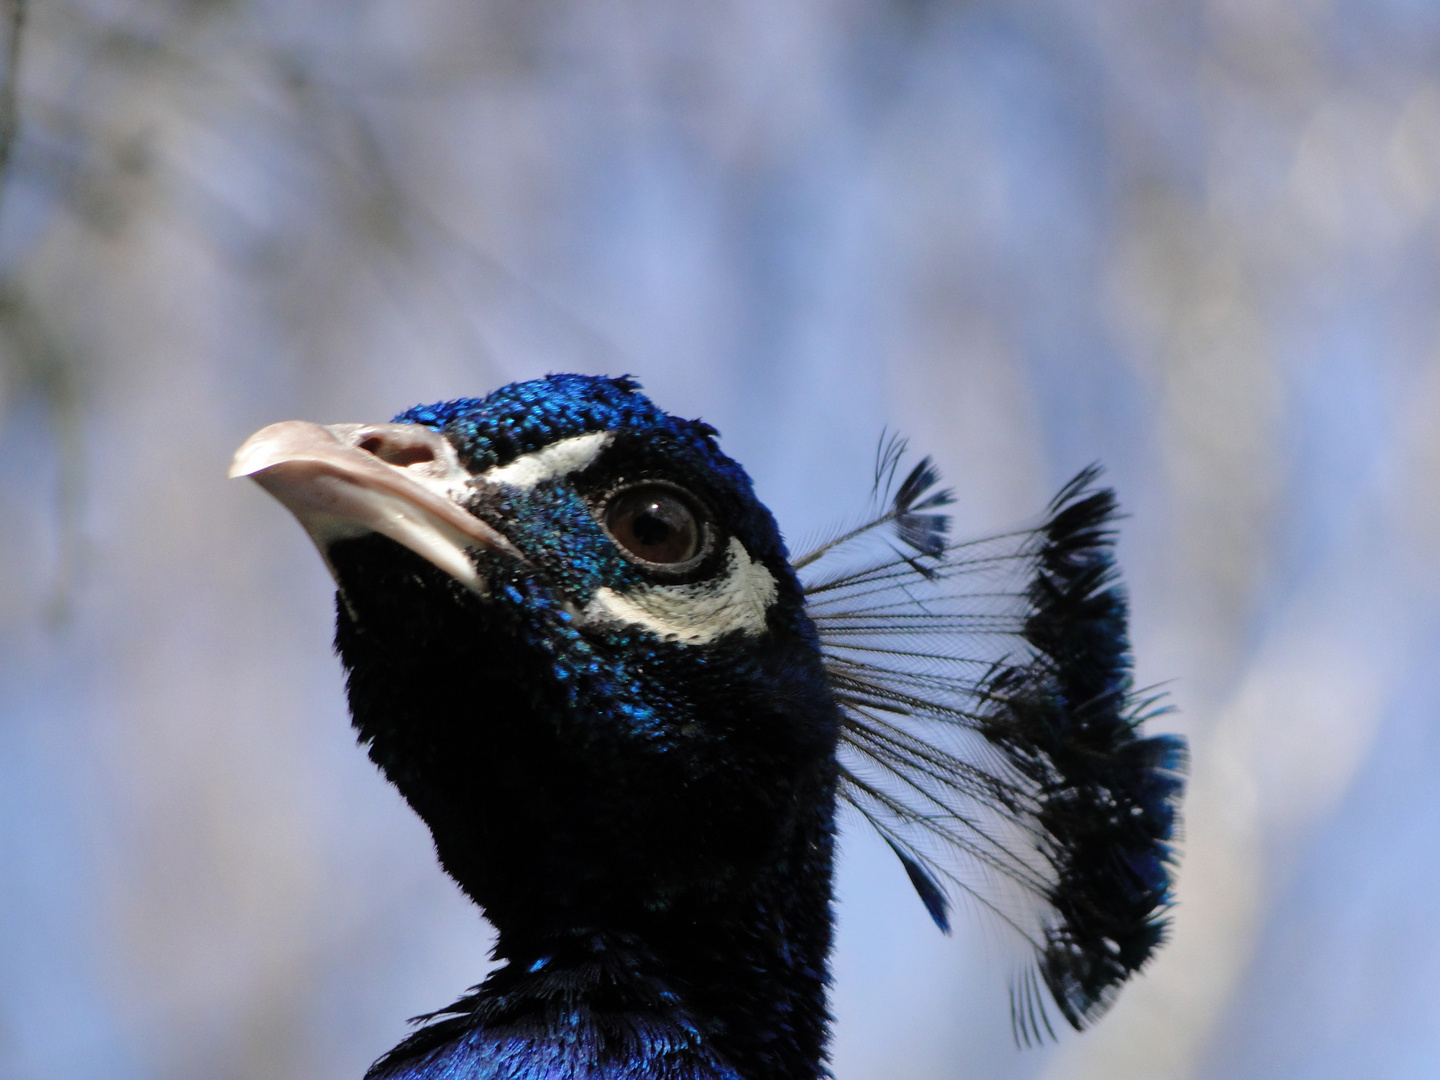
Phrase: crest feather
[991,733]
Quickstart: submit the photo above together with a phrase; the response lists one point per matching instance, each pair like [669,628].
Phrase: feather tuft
[992,736]
[904,507]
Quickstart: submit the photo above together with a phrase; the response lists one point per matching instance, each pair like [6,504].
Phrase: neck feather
[713,988]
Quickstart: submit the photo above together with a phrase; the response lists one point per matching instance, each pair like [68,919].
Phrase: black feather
[921,531]
[931,894]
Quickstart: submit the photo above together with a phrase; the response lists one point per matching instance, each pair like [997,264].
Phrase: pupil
[651,529]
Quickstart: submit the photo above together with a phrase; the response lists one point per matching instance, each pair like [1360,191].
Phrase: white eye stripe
[561,459]
[694,614]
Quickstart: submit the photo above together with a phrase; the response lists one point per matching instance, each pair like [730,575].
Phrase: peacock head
[574,643]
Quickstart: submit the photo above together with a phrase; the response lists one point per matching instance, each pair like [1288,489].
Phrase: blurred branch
[9,89]
[47,369]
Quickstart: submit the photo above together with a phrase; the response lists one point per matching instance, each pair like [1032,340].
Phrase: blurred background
[1195,240]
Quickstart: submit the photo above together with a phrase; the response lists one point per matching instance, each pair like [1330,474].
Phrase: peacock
[576,643]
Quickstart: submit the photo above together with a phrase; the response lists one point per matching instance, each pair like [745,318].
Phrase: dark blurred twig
[40,365]
[9,88]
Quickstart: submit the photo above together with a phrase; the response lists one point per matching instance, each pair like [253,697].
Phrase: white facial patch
[561,459]
[697,613]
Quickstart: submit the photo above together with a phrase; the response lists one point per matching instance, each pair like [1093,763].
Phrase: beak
[399,480]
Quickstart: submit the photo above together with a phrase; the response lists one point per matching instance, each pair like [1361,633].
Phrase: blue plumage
[576,644]
[587,1024]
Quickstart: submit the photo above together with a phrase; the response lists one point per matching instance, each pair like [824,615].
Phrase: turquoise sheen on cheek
[597,666]
[558,533]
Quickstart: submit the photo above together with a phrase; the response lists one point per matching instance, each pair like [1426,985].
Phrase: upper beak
[399,480]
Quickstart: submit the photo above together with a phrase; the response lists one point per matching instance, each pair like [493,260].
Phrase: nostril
[399,455]
[409,455]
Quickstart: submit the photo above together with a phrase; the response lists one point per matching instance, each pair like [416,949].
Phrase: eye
[654,523]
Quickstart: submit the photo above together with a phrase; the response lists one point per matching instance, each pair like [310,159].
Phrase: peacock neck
[721,988]
[745,971]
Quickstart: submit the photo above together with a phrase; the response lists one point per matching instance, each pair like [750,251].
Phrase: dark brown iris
[653,523]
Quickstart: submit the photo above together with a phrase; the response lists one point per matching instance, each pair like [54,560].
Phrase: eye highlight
[656,524]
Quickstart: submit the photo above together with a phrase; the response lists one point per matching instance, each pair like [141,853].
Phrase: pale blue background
[1194,240]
